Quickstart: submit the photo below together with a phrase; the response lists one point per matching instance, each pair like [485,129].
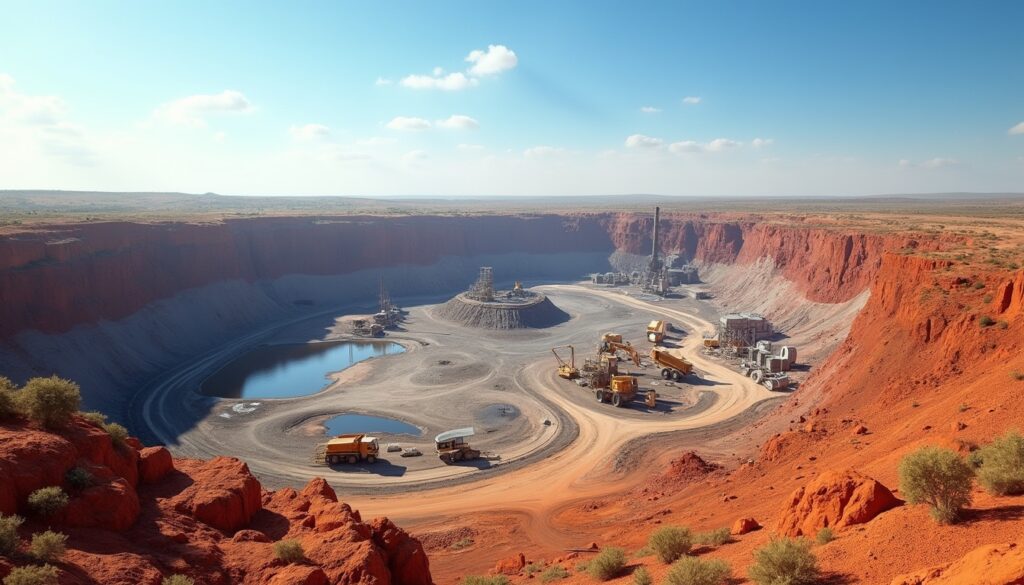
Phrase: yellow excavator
[612,347]
[566,369]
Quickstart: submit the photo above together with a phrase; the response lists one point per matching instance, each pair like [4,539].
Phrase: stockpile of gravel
[538,313]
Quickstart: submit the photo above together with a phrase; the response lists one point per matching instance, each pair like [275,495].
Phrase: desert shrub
[177,580]
[289,551]
[478,580]
[8,399]
[937,477]
[48,546]
[95,417]
[9,533]
[48,500]
[1001,469]
[1017,375]
[986,321]
[79,478]
[462,543]
[532,568]
[554,573]
[986,299]
[670,542]
[1003,324]
[825,535]
[50,401]
[979,285]
[695,571]
[716,537]
[784,561]
[118,434]
[642,577]
[607,564]
[32,575]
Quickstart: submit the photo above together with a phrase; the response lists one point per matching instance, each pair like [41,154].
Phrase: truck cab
[656,331]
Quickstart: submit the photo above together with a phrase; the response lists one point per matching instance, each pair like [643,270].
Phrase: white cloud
[641,141]
[451,82]
[1018,129]
[458,122]
[409,124]
[383,81]
[376,141]
[542,151]
[691,100]
[650,110]
[40,121]
[495,59]
[414,156]
[193,110]
[470,147]
[219,137]
[716,145]
[37,110]
[309,132]
[932,163]
[762,142]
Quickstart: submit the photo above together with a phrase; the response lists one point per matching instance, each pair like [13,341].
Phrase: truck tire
[456,455]
[666,373]
[677,376]
[757,376]
[371,459]
[617,400]
[352,459]
[599,394]
[334,460]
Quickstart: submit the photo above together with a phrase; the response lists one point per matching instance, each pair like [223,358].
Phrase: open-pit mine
[517,390]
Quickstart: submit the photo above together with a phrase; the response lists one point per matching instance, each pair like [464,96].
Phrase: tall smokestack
[654,240]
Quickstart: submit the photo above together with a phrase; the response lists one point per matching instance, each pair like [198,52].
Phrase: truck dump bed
[664,359]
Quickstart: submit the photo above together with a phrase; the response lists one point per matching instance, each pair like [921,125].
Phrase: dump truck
[621,390]
[348,449]
[656,331]
[452,446]
[566,369]
[712,342]
[672,367]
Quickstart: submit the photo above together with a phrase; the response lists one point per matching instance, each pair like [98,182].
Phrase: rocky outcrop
[510,566]
[210,520]
[835,499]
[1000,564]
[744,526]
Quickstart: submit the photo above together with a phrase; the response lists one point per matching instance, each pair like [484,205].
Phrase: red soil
[209,520]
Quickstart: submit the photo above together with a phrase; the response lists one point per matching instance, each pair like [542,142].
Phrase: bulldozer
[452,446]
[621,390]
[566,369]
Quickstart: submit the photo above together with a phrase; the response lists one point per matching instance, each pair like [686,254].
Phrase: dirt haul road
[580,471]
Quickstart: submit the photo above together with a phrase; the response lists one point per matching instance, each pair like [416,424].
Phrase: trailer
[672,367]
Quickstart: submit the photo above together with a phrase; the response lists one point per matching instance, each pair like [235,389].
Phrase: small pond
[290,370]
[361,423]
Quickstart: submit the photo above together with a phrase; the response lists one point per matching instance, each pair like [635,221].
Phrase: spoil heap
[483,307]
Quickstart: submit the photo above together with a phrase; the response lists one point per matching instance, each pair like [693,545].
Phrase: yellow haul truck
[656,331]
[348,449]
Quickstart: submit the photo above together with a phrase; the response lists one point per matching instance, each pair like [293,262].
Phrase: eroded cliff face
[54,278]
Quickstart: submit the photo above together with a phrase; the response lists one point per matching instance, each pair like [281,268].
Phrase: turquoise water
[361,423]
[290,370]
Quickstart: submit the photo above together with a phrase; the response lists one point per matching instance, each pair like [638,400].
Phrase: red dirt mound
[1001,564]
[836,499]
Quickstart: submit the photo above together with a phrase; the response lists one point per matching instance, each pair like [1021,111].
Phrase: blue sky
[360,98]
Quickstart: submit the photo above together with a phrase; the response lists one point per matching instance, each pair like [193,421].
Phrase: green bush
[9,533]
[695,571]
[937,477]
[177,580]
[642,577]
[554,573]
[784,561]
[825,535]
[32,575]
[48,500]
[79,478]
[670,542]
[8,399]
[608,564]
[48,546]
[986,321]
[1001,471]
[716,537]
[478,580]
[95,417]
[50,401]
[289,551]
[118,434]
